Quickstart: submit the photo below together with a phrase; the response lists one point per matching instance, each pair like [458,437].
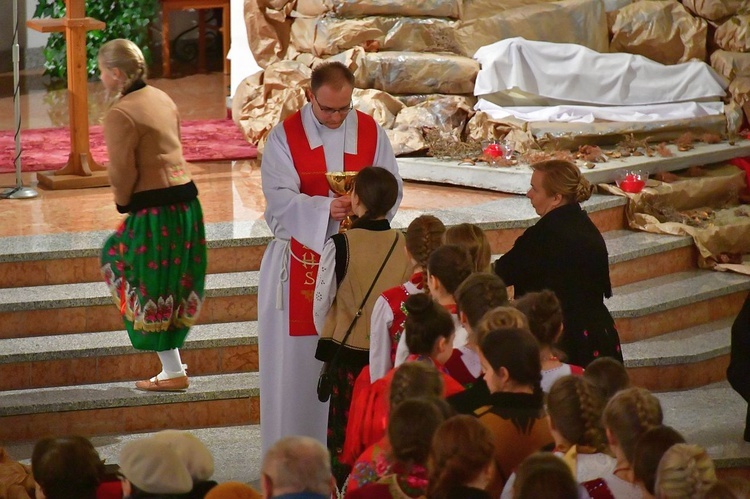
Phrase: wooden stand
[169,6]
[81,169]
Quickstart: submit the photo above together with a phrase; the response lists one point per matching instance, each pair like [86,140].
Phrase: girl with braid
[155,264]
[424,235]
[685,471]
[448,266]
[545,316]
[460,462]
[626,417]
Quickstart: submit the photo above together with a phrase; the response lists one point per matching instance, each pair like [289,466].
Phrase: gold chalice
[342,183]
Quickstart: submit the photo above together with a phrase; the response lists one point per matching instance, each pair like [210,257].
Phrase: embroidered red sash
[311,167]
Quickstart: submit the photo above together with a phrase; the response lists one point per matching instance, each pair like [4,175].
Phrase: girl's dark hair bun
[418,304]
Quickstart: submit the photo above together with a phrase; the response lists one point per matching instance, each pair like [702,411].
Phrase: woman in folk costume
[448,266]
[542,309]
[326,135]
[627,416]
[410,380]
[515,415]
[574,408]
[355,267]
[429,332]
[423,236]
[155,264]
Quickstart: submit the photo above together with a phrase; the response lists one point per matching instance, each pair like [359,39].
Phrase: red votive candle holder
[493,150]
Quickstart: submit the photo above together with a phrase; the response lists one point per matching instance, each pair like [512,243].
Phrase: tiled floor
[230,191]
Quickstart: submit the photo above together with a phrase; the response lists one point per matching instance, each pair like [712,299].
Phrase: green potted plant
[125,19]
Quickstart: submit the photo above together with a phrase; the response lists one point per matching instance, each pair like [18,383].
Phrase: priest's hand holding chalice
[342,183]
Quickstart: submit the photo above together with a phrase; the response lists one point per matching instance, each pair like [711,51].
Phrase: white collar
[312,126]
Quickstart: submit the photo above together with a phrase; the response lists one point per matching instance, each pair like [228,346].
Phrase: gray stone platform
[516,179]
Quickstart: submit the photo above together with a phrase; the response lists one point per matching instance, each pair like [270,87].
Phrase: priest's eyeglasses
[343,111]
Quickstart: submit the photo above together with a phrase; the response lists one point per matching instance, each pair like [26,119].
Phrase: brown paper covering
[730,64]
[267,97]
[734,34]
[378,104]
[726,233]
[423,35]
[714,10]
[406,141]
[415,73]
[445,112]
[329,35]
[267,30]
[662,31]
[739,89]
[429,8]
[570,21]
[312,8]
[475,9]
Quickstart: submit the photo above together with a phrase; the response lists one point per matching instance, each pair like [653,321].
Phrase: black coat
[565,253]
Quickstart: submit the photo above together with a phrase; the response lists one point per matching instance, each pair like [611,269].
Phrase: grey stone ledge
[124,394]
[96,293]
[506,213]
[686,346]
[712,416]
[104,343]
[673,290]
[625,245]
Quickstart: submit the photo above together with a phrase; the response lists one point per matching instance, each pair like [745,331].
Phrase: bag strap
[364,301]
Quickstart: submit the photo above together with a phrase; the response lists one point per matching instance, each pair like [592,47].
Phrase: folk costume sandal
[163,385]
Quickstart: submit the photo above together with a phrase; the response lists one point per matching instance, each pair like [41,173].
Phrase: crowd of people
[433,380]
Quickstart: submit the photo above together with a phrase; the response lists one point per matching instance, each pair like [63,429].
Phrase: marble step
[652,307]
[88,307]
[112,408]
[107,356]
[688,358]
[84,307]
[238,246]
[710,416]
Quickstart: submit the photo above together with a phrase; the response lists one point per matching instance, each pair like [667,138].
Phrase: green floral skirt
[155,268]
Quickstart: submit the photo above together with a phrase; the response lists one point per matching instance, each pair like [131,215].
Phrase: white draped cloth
[588,85]
[288,369]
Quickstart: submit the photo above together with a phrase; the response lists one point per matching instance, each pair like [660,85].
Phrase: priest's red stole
[311,168]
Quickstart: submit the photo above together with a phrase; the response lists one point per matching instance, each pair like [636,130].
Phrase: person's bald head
[297,464]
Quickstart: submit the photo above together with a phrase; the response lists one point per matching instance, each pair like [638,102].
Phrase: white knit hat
[153,466]
[194,454]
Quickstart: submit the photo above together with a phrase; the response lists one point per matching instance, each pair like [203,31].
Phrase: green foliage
[125,19]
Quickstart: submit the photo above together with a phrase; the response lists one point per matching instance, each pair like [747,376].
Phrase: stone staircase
[67,367]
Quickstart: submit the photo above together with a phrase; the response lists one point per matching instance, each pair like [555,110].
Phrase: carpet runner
[48,148]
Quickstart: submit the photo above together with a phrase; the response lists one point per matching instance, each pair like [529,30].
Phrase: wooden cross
[81,170]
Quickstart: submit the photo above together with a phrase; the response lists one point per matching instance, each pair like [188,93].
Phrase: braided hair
[575,407]
[544,313]
[414,379]
[424,234]
[630,413]
[479,293]
[377,190]
[125,56]
[685,471]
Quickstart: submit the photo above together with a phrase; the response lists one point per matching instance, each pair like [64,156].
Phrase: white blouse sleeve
[380,339]
[325,286]
[402,351]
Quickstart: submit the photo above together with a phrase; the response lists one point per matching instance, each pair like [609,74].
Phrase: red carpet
[48,148]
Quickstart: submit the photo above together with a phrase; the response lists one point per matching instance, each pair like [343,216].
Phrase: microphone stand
[19,191]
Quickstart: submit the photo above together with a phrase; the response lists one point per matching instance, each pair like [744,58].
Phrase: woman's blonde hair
[125,56]
[564,178]
[685,471]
